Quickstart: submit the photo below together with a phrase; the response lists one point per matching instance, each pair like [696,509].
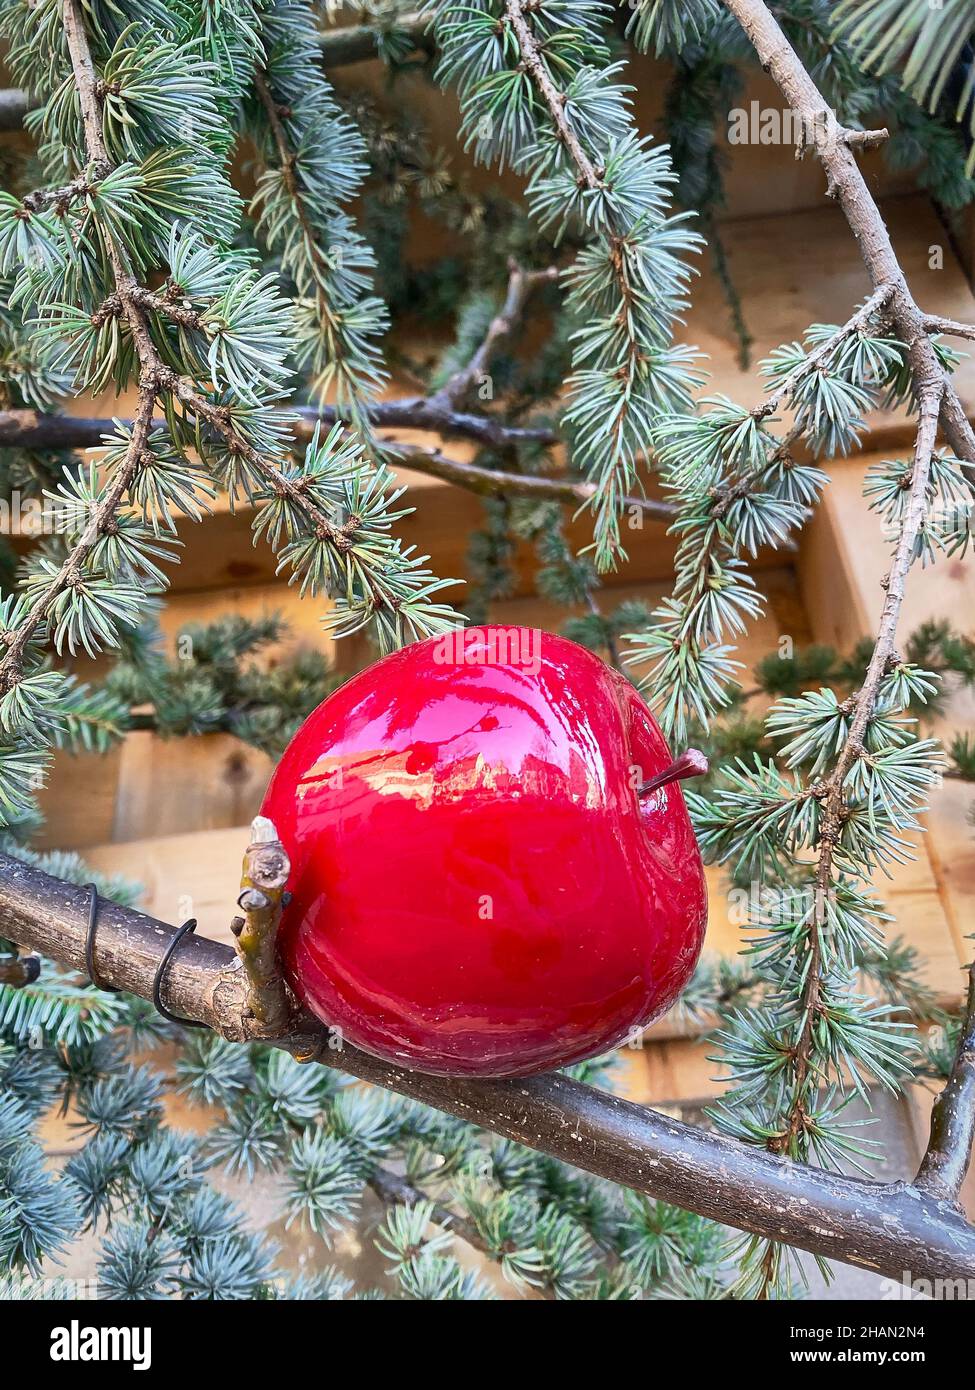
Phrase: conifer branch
[344,44]
[394,1190]
[822,353]
[298,206]
[102,519]
[832,792]
[887,1228]
[524,94]
[341,537]
[517,14]
[132,301]
[588,177]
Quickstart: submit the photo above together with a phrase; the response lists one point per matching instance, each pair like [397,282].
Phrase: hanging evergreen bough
[315,163]
[738,486]
[539,93]
[138,140]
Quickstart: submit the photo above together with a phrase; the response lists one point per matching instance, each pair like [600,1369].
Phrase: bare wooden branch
[887,1228]
[865,139]
[949,1151]
[263,883]
[934,323]
[29,429]
[490,482]
[14,105]
[18,971]
[356,43]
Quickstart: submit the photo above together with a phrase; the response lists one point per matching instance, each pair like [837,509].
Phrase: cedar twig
[521,283]
[887,1228]
[521,286]
[286,165]
[134,304]
[949,1151]
[832,792]
[517,14]
[490,482]
[821,354]
[394,1190]
[16,640]
[753,479]
[347,43]
[263,883]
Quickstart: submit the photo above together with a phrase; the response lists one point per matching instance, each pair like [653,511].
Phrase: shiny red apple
[493,869]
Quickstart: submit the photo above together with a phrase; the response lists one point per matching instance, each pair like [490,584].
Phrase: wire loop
[185,930]
[160,975]
[90,942]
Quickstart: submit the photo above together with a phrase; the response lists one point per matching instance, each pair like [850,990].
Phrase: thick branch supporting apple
[887,1228]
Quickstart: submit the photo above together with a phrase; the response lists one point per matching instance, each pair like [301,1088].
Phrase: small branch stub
[262,897]
[691,763]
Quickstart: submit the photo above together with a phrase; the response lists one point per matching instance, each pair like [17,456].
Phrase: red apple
[484,885]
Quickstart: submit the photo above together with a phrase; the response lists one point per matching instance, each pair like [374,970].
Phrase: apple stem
[691,763]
